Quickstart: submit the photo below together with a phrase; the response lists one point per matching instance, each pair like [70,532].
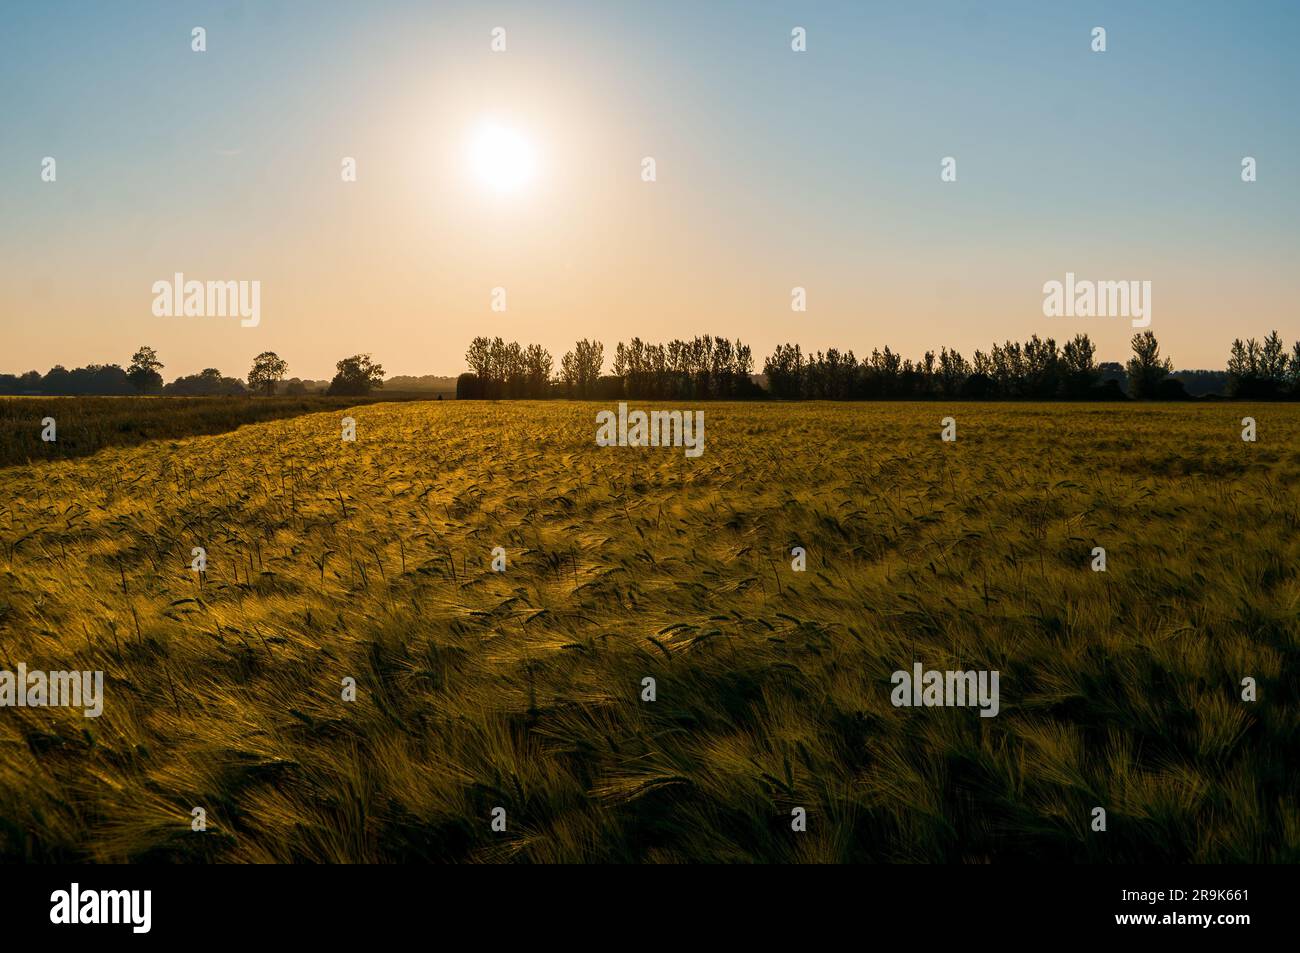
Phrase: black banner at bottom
[215,903]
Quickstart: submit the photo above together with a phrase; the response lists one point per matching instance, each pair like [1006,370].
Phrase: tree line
[1036,369]
[354,376]
[1264,371]
[712,367]
[701,368]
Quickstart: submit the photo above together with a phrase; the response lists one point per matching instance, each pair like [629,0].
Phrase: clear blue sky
[775,169]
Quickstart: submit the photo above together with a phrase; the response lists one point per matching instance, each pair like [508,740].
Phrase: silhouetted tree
[143,371]
[1259,371]
[538,367]
[954,371]
[1080,373]
[1146,369]
[1042,368]
[267,371]
[355,377]
[581,367]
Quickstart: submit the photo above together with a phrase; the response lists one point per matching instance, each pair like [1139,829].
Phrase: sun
[501,158]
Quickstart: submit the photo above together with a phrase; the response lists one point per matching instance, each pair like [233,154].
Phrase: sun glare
[500,158]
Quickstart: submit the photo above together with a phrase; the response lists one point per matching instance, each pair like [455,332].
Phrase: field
[329,560]
[84,425]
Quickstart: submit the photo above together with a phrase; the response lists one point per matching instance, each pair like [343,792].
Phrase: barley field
[523,690]
[85,425]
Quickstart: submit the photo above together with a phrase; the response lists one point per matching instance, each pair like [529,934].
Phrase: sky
[774,169]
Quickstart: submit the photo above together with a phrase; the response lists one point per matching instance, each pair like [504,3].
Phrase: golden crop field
[329,560]
[86,425]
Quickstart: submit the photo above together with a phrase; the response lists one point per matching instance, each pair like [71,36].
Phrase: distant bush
[1107,390]
[1171,388]
[469,387]
[207,383]
[608,387]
